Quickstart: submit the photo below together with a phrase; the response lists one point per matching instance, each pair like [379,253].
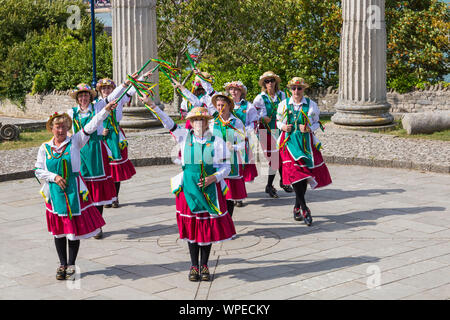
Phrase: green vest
[198,164]
[113,138]
[227,134]
[299,143]
[241,113]
[271,109]
[91,154]
[64,202]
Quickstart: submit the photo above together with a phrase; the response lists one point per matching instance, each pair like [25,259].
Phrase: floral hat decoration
[105,82]
[236,84]
[297,81]
[56,115]
[83,87]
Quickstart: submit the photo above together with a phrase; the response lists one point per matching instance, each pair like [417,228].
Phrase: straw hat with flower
[297,81]
[105,82]
[66,119]
[236,84]
[83,87]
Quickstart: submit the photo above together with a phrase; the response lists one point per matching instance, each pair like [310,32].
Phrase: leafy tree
[193,26]
[42,53]
[418,42]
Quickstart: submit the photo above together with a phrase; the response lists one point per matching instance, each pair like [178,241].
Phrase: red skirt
[250,172]
[82,226]
[269,147]
[123,169]
[203,228]
[102,189]
[296,171]
[236,189]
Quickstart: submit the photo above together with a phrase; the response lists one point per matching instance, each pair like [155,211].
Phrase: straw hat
[268,75]
[83,87]
[199,112]
[56,115]
[297,81]
[225,95]
[105,82]
[236,84]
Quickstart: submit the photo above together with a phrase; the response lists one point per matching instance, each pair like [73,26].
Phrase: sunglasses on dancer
[272,80]
[296,88]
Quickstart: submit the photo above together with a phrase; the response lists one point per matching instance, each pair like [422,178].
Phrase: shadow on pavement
[278,269]
[334,222]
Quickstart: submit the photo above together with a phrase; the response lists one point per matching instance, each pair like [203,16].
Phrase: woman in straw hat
[298,118]
[121,167]
[267,103]
[232,130]
[247,113]
[202,214]
[95,168]
[69,210]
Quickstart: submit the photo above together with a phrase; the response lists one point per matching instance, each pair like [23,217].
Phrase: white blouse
[260,106]
[98,106]
[221,159]
[313,113]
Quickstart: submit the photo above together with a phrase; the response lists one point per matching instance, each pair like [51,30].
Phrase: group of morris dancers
[82,169]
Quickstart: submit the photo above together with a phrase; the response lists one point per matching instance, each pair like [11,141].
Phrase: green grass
[27,139]
[440,135]
[400,132]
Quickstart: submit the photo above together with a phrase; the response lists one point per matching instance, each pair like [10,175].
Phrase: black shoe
[107,206]
[238,204]
[194,274]
[99,235]
[61,273]
[115,204]
[297,215]
[307,217]
[271,191]
[286,187]
[205,276]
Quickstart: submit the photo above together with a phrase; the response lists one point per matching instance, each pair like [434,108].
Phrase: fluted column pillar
[362,65]
[134,42]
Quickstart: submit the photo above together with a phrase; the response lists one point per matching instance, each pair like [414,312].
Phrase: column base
[138,118]
[362,115]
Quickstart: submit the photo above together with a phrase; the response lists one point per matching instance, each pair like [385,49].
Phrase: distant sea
[105,18]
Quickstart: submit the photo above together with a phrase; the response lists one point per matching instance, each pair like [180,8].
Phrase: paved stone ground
[371,224]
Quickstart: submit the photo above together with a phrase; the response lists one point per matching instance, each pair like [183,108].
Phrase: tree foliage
[235,40]
[40,53]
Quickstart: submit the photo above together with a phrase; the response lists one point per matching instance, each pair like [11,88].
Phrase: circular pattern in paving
[247,240]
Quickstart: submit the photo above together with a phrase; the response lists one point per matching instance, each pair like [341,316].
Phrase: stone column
[362,98]
[134,42]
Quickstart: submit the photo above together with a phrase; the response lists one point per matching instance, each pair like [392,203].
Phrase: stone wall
[435,98]
[39,106]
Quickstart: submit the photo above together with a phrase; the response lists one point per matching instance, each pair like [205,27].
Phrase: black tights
[195,249]
[100,208]
[300,190]
[117,184]
[61,249]
[230,207]
[271,177]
